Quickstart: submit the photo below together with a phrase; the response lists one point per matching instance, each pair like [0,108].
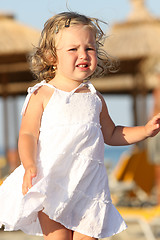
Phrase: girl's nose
[83,54]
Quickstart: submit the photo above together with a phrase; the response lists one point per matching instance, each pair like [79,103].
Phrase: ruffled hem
[95,217]
[115,228]
[82,205]
[31,229]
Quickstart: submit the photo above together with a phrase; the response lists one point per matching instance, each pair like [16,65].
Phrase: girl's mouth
[83,66]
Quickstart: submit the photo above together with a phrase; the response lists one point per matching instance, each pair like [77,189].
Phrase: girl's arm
[28,137]
[120,135]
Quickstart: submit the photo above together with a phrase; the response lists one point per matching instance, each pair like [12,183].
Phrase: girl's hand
[30,173]
[153,126]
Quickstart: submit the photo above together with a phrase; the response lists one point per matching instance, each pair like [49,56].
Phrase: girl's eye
[90,49]
[72,49]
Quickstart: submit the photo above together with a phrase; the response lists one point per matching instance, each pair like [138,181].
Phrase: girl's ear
[50,57]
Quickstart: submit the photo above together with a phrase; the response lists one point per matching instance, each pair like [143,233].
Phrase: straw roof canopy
[138,37]
[16,42]
[15,37]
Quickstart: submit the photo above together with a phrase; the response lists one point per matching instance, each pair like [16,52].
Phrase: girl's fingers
[157,117]
[25,188]
[27,180]
[33,171]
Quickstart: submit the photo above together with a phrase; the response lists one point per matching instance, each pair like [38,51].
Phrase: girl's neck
[65,85]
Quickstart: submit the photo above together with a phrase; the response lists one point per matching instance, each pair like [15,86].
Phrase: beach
[133,232]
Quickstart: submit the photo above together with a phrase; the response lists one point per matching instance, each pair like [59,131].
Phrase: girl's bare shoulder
[31,119]
[42,95]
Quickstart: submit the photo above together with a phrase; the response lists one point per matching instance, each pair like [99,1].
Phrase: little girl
[61,188]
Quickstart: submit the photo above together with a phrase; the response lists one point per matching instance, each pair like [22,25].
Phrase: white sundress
[71,186]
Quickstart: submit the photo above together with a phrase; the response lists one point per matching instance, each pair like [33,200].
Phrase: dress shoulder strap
[87,83]
[91,87]
[30,91]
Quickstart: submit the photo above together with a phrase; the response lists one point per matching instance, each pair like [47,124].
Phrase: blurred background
[132,94]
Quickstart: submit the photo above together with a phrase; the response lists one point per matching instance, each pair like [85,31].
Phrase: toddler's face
[76,53]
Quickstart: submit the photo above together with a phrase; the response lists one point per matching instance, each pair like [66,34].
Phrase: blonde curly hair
[43,59]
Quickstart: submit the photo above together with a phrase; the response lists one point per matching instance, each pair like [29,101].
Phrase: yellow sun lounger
[136,168]
[145,217]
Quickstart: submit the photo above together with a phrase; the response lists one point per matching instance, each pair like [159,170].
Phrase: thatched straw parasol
[137,37]
[133,42]
[16,42]
[15,37]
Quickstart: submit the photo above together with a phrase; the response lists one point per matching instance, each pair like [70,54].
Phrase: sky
[34,13]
